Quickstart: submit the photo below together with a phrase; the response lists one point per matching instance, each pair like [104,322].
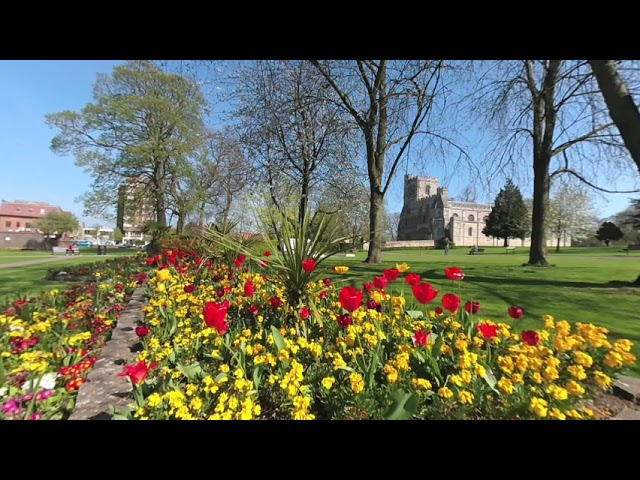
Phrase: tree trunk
[304,197]
[375,223]
[622,109]
[538,250]
[180,224]
[506,242]
[558,245]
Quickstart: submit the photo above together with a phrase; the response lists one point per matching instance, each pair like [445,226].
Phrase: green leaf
[1,371]
[436,369]
[191,371]
[215,357]
[257,376]
[278,339]
[419,354]
[220,376]
[403,407]
[347,369]
[414,314]
[490,378]
[437,345]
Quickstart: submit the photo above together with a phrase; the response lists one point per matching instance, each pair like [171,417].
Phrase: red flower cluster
[424,292]
[19,345]
[79,368]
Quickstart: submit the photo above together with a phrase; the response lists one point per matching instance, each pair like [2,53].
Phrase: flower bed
[222,342]
[49,343]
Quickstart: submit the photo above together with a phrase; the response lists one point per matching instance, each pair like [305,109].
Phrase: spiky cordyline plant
[313,238]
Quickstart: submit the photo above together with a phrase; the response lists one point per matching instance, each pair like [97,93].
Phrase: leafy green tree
[633,218]
[140,131]
[117,235]
[509,217]
[56,223]
[609,232]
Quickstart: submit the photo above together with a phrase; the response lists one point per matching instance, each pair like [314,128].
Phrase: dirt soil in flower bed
[607,405]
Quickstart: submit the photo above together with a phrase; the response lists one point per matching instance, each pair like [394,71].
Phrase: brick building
[20,216]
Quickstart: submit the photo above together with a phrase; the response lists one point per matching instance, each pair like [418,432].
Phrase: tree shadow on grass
[524,280]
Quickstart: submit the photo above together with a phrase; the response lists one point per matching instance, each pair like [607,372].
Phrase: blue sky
[30,171]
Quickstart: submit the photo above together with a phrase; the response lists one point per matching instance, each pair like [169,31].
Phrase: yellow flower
[341,270]
[392,373]
[445,392]
[587,411]
[422,383]
[538,406]
[623,345]
[398,302]
[506,386]
[558,393]
[577,372]
[465,397]
[574,388]
[555,413]
[456,380]
[583,359]
[328,382]
[602,380]
[402,267]
[224,368]
[162,275]
[357,383]
[549,322]
[479,370]
[377,296]
[613,359]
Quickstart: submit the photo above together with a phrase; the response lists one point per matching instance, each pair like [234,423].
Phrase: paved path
[45,260]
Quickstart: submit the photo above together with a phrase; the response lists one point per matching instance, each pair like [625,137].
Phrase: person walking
[446,246]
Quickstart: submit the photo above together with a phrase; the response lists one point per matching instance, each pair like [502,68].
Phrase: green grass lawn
[30,280]
[11,256]
[575,289]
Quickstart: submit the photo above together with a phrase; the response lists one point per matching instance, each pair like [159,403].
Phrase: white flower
[3,391]
[16,327]
[48,382]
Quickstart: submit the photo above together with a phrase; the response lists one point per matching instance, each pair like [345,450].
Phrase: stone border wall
[103,388]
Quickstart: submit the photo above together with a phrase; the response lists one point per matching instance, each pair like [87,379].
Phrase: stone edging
[629,389]
[103,388]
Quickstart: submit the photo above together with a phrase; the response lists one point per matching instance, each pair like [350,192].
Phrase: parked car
[82,243]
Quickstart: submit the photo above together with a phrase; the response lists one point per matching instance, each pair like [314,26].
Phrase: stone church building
[428,214]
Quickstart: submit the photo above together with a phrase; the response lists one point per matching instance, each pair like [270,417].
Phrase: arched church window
[472,218]
[471,231]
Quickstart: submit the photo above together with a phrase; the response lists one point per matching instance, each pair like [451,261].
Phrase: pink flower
[43,395]
[35,416]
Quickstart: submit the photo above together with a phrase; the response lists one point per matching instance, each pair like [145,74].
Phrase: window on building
[7,224]
[17,224]
[42,210]
[471,231]
[17,209]
[471,218]
[27,225]
[31,210]
[455,215]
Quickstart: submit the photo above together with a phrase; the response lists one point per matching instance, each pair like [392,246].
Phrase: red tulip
[371,304]
[253,310]
[305,312]
[487,331]
[368,286]
[309,265]
[189,288]
[421,338]
[530,337]
[141,278]
[142,331]
[350,298]
[249,290]
[379,282]
[220,293]
[275,302]
[150,261]
[424,292]
[472,307]
[412,279]
[327,282]
[344,320]
[322,295]
[215,314]
[239,260]
[439,311]
[267,253]
[451,302]
[391,275]
[515,312]
[138,373]
[198,261]
[454,273]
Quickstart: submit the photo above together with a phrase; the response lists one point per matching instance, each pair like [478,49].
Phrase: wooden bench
[61,250]
[478,251]
[510,249]
[631,247]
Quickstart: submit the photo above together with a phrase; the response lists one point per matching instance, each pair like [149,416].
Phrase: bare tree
[550,109]
[294,135]
[469,194]
[392,223]
[571,214]
[389,102]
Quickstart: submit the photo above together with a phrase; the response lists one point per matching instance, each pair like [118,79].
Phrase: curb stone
[103,388]
[627,388]
[627,414]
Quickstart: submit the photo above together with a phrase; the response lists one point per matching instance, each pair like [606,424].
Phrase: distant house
[20,216]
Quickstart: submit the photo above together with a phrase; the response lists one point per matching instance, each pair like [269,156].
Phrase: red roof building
[19,216]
